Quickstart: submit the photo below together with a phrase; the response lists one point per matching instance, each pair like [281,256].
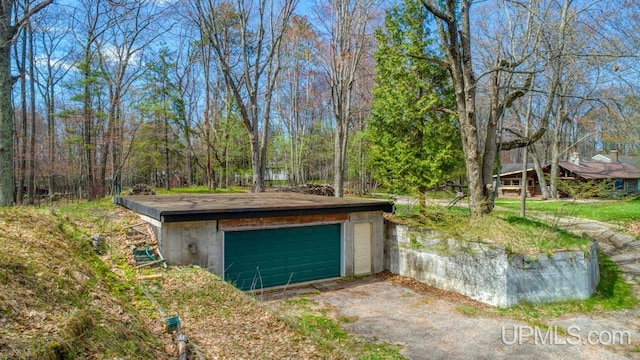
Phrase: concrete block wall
[377,239]
[201,242]
[195,242]
[565,275]
[488,274]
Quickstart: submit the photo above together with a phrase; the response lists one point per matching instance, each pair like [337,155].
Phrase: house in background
[510,181]
[600,167]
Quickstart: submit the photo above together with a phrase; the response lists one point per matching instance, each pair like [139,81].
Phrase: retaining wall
[489,274]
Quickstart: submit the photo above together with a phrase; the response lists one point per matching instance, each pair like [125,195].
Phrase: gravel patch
[429,326]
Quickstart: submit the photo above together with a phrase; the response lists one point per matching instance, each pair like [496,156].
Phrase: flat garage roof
[174,208]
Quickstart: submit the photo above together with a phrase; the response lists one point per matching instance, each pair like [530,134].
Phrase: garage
[281,256]
[266,240]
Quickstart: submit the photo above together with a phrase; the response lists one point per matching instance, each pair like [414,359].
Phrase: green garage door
[271,257]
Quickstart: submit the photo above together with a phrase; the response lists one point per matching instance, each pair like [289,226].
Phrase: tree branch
[444,110]
[30,13]
[433,8]
[442,63]
[517,93]
[523,141]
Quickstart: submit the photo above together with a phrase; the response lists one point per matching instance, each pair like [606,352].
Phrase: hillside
[60,299]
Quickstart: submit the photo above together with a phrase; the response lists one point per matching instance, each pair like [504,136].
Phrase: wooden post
[181,340]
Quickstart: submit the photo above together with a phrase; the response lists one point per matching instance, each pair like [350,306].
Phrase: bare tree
[91,22]
[297,99]
[9,26]
[346,24]
[21,140]
[185,75]
[454,27]
[51,71]
[253,68]
[511,73]
[134,26]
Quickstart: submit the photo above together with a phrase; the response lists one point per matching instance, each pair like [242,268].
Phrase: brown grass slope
[227,324]
[58,300]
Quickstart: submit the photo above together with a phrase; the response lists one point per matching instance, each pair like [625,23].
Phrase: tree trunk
[31,180]
[7,33]
[166,153]
[22,139]
[7,185]
[51,132]
[116,146]
[523,185]
[87,122]
[454,30]
[207,114]
[256,164]
[555,150]
[338,169]
[544,189]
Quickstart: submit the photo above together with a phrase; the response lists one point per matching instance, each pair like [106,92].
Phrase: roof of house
[633,160]
[601,170]
[514,168]
[586,170]
[171,208]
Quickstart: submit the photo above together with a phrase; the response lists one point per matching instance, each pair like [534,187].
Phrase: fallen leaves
[634,227]
[55,296]
[225,323]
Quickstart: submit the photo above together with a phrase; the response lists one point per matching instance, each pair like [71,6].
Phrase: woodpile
[141,189]
[312,189]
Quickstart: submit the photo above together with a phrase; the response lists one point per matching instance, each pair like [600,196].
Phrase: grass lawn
[614,211]
[500,228]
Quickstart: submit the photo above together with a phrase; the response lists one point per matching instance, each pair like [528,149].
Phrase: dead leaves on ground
[225,323]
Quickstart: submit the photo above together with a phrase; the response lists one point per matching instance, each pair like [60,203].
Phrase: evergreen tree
[415,143]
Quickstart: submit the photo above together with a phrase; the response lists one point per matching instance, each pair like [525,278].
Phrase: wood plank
[280,221]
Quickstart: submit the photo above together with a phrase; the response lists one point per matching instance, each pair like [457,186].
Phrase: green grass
[304,315]
[615,211]
[467,310]
[500,229]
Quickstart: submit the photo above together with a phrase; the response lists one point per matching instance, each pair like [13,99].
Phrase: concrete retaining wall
[488,274]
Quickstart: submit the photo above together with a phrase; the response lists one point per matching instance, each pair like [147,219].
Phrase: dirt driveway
[433,324]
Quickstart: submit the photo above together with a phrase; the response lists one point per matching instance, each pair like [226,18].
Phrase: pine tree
[414,136]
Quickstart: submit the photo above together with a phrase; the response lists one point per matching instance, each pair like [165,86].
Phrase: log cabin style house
[626,177]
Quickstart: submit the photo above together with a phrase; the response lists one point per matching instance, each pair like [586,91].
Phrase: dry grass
[56,298]
[634,228]
[59,299]
[499,229]
[225,323]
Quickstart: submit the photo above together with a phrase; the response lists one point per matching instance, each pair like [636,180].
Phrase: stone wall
[489,274]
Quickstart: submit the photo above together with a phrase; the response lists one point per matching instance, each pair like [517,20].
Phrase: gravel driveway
[428,325]
[433,324]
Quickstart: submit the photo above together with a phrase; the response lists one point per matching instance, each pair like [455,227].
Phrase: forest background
[409,95]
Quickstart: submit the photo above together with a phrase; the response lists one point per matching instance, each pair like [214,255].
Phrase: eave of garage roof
[175,208]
